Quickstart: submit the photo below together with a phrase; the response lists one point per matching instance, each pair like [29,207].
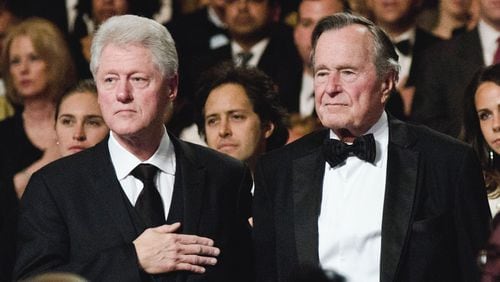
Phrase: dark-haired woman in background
[481,127]
[79,123]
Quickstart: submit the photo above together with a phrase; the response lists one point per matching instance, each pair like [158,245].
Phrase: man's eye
[211,121]
[305,23]
[238,117]
[139,81]
[66,121]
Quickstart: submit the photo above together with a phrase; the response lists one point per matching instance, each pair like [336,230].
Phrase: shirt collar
[410,34]
[257,50]
[124,161]
[488,36]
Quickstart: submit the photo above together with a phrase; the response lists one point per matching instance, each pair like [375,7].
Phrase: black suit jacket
[423,41]
[74,216]
[193,32]
[449,67]
[435,215]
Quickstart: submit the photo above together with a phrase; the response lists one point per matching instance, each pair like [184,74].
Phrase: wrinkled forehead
[350,43]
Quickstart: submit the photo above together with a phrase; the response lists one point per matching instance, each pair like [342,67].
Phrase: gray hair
[386,58]
[130,29]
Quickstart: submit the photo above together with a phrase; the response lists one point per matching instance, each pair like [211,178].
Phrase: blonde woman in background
[37,68]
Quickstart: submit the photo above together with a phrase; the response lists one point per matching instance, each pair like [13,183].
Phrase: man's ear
[387,86]
[173,85]
[268,129]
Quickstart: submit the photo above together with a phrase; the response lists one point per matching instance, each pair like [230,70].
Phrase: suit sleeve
[472,215]
[44,242]
[264,235]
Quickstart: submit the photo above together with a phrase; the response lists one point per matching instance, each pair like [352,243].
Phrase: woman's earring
[492,159]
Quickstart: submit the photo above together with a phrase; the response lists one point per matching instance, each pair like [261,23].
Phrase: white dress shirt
[306,104]
[257,50]
[71,12]
[405,60]
[488,37]
[350,221]
[164,159]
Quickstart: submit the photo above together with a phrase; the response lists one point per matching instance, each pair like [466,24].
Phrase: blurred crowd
[245,78]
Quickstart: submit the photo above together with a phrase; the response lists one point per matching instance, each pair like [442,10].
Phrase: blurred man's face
[231,125]
[392,12]
[248,18]
[217,3]
[105,9]
[349,95]
[310,12]
[456,8]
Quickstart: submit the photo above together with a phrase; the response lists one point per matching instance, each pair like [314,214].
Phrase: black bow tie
[336,151]
[404,47]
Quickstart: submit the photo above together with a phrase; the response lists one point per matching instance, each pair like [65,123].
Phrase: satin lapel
[193,177]
[109,191]
[307,174]
[399,198]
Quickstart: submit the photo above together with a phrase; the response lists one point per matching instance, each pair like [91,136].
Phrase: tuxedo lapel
[399,198]
[193,178]
[307,173]
[108,190]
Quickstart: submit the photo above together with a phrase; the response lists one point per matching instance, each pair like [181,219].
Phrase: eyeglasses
[487,260]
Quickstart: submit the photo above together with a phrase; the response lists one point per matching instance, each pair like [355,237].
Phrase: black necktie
[149,204]
[336,151]
[404,47]
[243,58]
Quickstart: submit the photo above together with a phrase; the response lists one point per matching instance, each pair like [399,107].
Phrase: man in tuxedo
[449,67]
[309,13]
[399,21]
[258,40]
[141,205]
[370,197]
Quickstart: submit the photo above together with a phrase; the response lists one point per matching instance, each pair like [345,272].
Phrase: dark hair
[86,85]
[261,92]
[386,58]
[471,130]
